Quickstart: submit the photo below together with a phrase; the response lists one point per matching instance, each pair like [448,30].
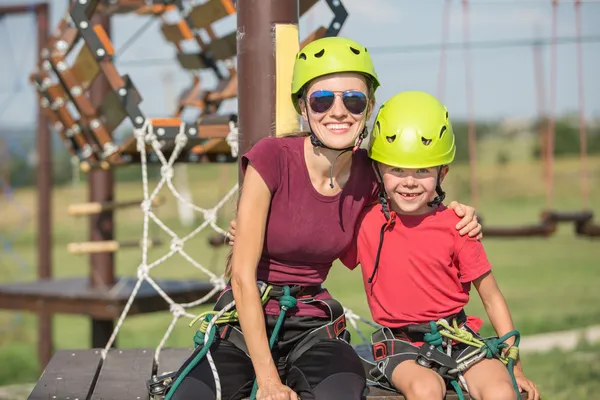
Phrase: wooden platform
[74,296]
[81,374]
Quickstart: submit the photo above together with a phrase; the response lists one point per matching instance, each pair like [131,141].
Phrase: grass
[550,284]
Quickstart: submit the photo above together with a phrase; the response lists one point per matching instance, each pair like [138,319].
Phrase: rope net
[147,137]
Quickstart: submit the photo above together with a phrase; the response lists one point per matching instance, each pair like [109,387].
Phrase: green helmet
[412,130]
[328,56]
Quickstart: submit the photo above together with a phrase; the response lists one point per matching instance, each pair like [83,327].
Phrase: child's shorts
[392,346]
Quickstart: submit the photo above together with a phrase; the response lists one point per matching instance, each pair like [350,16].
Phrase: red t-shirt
[425,268]
[306,231]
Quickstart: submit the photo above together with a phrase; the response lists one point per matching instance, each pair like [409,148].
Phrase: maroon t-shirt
[306,231]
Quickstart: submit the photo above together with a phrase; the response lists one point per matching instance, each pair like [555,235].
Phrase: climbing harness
[436,351]
[221,323]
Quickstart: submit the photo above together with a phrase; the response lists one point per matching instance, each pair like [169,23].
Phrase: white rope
[145,136]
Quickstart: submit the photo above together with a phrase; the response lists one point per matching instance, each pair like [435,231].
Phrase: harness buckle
[158,385]
[430,357]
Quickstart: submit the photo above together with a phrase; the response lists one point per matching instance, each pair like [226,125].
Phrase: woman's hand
[468,224]
[230,236]
[275,391]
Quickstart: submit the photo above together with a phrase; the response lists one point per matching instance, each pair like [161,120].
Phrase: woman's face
[337,107]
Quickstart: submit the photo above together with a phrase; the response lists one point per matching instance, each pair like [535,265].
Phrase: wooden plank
[74,296]
[124,374]
[205,14]
[85,68]
[224,47]
[69,374]
[172,358]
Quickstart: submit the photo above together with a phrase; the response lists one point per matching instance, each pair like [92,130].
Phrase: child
[422,271]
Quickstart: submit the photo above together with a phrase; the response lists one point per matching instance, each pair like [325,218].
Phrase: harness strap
[334,329]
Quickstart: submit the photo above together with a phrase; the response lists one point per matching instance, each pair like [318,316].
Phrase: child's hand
[526,385]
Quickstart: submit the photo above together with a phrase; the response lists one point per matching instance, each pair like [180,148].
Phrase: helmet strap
[390,220]
[316,142]
[441,195]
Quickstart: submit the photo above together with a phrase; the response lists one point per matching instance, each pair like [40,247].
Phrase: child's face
[410,189]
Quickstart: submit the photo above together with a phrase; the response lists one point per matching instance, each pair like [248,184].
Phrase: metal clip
[158,385]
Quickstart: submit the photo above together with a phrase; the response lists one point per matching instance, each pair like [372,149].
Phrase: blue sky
[503,79]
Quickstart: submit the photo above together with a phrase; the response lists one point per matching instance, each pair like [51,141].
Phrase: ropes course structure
[86,99]
[582,221]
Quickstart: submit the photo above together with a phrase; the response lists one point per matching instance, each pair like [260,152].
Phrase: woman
[299,205]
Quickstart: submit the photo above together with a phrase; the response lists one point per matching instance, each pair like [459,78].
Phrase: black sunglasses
[322,100]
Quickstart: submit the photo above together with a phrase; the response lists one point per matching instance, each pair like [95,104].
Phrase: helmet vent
[366,51]
[302,56]
[425,141]
[391,139]
[355,51]
[442,131]
[320,54]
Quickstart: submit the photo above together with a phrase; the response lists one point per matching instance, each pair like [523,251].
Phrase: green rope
[435,338]
[493,348]
[285,303]
[198,340]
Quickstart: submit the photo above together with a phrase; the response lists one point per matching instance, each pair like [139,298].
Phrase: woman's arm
[468,224]
[252,213]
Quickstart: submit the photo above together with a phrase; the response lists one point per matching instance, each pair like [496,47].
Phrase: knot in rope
[176,244]
[218,282]
[286,301]
[493,347]
[513,353]
[167,172]
[434,337]
[177,310]
[210,216]
[181,140]
[142,271]
[146,205]
[199,336]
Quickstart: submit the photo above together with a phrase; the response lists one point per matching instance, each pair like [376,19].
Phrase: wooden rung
[98,207]
[178,32]
[107,246]
[205,14]
[305,5]
[155,9]
[316,34]
[224,47]
[191,61]
[212,146]
[85,68]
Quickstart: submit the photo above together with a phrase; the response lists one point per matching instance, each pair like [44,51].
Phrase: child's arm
[495,306]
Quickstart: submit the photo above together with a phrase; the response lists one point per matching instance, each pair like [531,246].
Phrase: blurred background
[520,79]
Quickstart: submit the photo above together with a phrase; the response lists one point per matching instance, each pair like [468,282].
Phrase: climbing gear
[220,323]
[412,130]
[436,352]
[328,56]
[321,101]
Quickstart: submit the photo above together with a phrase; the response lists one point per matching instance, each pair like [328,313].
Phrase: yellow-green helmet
[327,56]
[412,130]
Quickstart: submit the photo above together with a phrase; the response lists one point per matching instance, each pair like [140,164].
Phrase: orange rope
[552,117]
[444,40]
[585,184]
[470,106]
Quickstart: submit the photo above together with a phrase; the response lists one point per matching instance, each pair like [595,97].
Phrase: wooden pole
[44,199]
[267,32]
[101,189]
